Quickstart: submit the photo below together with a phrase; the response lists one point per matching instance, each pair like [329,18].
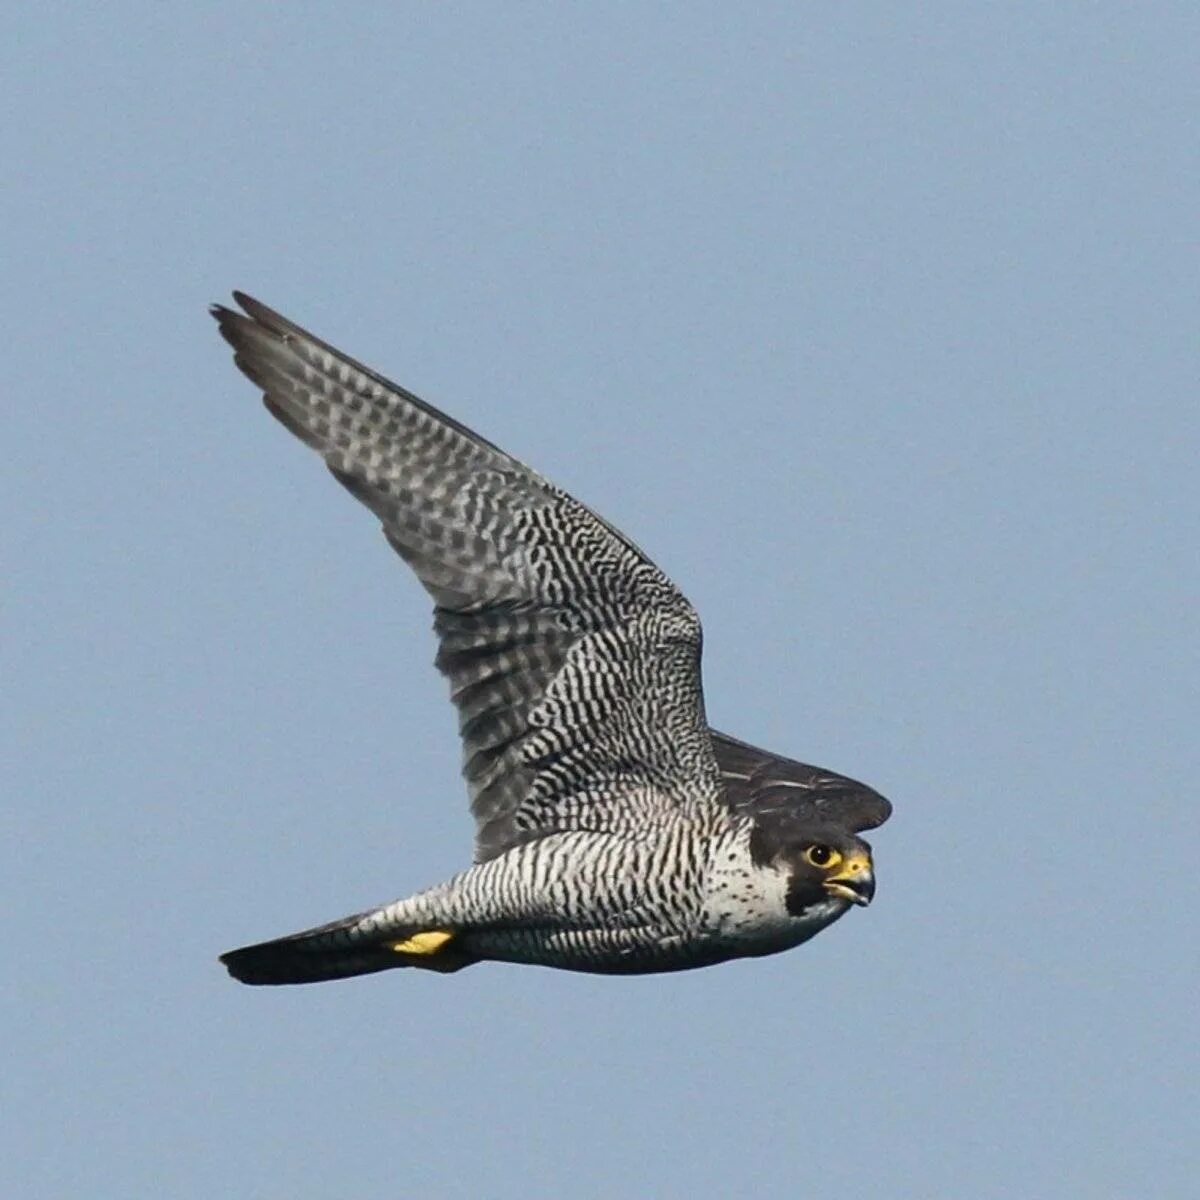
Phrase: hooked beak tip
[857,891]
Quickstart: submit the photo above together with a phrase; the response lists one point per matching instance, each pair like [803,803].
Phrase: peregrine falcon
[615,831]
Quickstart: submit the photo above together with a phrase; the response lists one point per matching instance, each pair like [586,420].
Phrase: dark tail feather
[339,950]
[284,962]
[327,952]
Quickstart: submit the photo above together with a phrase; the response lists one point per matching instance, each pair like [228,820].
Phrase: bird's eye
[821,856]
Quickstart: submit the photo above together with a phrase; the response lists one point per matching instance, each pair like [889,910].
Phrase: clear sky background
[874,324]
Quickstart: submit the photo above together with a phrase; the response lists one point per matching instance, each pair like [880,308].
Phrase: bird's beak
[854,882]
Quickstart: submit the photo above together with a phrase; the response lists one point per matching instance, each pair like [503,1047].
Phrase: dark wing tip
[864,809]
[761,782]
[232,324]
[253,312]
[245,302]
[830,799]
[219,311]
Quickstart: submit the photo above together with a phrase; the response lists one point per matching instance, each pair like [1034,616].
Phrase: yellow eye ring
[821,856]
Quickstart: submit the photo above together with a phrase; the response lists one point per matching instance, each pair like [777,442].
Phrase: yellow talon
[428,942]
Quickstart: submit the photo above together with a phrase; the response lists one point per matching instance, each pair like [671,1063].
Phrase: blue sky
[875,325]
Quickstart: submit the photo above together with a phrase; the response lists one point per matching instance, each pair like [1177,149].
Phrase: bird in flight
[615,831]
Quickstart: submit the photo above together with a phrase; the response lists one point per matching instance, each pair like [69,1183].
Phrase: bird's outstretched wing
[761,784]
[574,663]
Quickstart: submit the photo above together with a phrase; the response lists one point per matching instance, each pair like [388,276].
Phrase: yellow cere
[428,942]
[856,866]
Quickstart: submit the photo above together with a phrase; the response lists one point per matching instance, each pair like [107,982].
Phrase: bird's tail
[355,945]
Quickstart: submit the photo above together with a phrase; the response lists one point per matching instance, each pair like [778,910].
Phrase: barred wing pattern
[574,663]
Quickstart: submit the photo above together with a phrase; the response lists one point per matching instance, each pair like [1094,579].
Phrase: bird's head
[827,864]
[804,823]
[821,862]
